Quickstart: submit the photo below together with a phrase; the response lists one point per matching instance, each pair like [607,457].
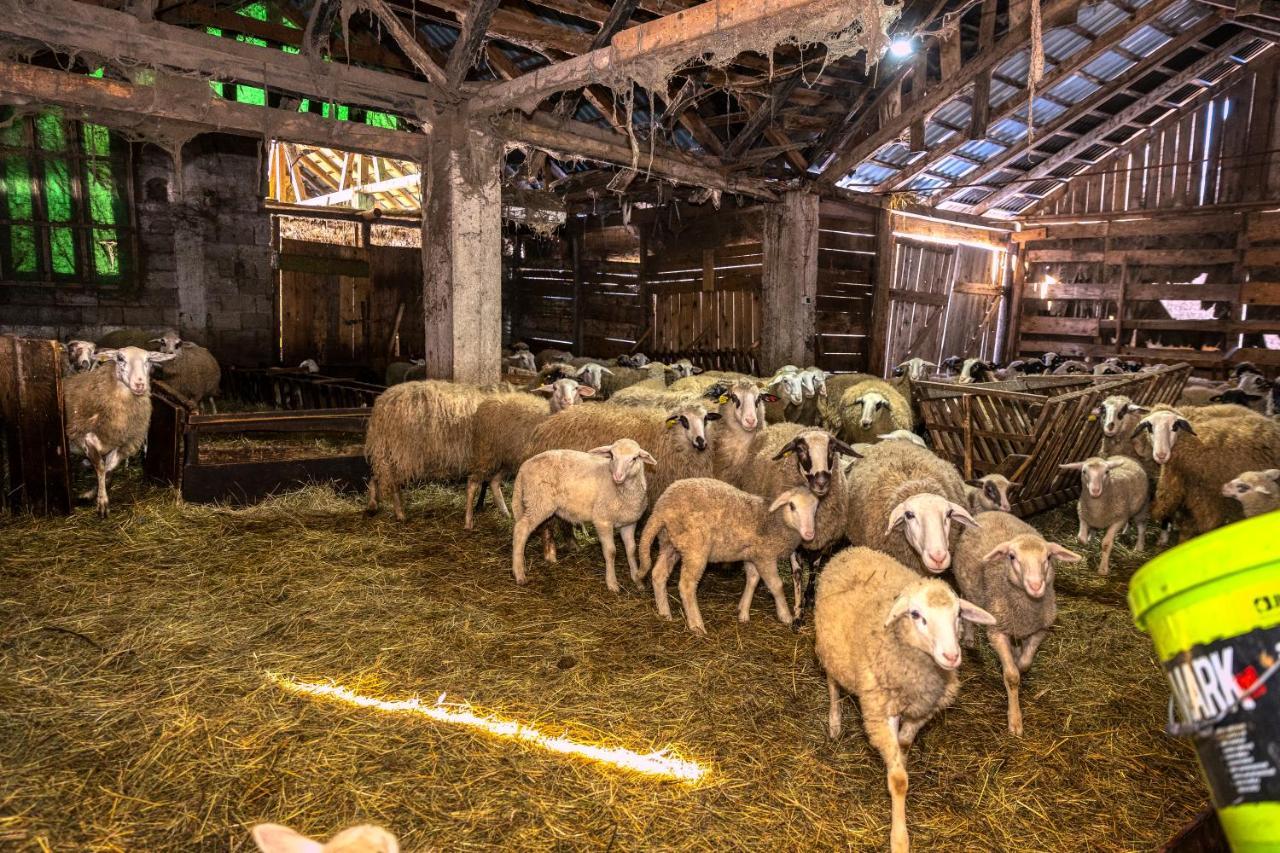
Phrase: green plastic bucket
[1212,608]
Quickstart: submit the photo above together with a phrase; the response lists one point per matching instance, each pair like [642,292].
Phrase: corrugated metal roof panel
[953,112]
[866,175]
[982,149]
[1015,67]
[1007,131]
[1109,66]
[935,133]
[1184,14]
[1001,93]
[952,167]
[1144,41]
[925,183]
[1044,111]
[1063,42]
[896,153]
[1074,89]
[1101,17]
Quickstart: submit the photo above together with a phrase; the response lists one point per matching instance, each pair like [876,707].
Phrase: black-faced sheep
[989,493]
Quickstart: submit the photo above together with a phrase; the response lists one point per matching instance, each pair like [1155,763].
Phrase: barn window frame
[67,211]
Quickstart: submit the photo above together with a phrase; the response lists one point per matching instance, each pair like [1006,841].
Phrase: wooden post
[1017,284]
[462,254]
[880,304]
[579,291]
[789,286]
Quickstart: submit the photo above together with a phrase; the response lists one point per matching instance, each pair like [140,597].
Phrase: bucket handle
[1177,728]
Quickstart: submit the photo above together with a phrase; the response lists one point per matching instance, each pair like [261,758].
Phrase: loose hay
[138,714]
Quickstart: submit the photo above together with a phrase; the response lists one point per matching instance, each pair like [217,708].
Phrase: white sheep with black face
[685,368]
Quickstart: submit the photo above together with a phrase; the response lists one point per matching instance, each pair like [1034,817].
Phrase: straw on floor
[138,709]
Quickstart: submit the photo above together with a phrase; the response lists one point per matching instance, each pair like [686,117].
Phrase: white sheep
[605,486]
[742,415]
[989,493]
[903,435]
[80,357]
[685,368]
[1006,568]
[274,838]
[703,520]
[1113,492]
[1257,491]
[593,374]
[915,369]
[889,636]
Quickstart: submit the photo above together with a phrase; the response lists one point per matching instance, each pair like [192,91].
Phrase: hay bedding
[136,714]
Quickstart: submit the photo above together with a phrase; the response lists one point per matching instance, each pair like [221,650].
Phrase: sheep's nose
[1161,457]
[820,483]
[1036,589]
[939,558]
[1004,506]
[700,443]
[1097,493]
[952,658]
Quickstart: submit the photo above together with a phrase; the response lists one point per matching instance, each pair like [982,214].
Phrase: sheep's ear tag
[672,421]
[786,453]
[769,398]
[722,399]
[1093,419]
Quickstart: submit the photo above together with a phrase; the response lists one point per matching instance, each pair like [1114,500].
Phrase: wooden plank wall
[613,311]
[846,285]
[35,465]
[1200,287]
[543,284]
[1221,152]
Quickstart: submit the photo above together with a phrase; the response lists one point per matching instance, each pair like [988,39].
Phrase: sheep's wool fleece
[98,402]
[855,593]
[987,584]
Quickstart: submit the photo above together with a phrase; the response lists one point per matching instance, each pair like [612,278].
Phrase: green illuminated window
[64,202]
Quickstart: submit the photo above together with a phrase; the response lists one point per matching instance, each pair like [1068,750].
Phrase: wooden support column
[462,254]
[789,289]
[886,246]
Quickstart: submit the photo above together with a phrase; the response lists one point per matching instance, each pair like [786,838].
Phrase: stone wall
[204,248]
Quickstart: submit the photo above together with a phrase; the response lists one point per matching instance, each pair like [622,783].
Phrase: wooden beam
[680,35]
[122,38]
[890,129]
[762,116]
[463,54]
[981,111]
[575,139]
[345,196]
[1156,96]
[405,39]
[191,104]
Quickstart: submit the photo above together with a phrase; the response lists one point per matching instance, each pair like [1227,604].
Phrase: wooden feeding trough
[1025,428]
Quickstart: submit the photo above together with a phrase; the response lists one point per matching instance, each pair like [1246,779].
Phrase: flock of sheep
[815,469]
[797,466]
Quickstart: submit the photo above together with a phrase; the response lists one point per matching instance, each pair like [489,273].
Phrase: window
[65,211]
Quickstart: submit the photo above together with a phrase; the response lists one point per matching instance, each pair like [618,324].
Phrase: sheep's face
[169,342]
[974,370]
[1236,396]
[592,374]
[1050,360]
[640,360]
[914,369]
[1163,428]
[870,405]
[815,451]
[1094,473]
[1254,383]
[693,421]
[952,364]
[1263,484]
[1029,561]
[133,366]
[524,360]
[993,492]
[81,355]
[814,380]
[684,368]
[274,838]
[746,401]
[799,510]
[311,367]
[1112,411]
[903,435]
[565,393]
[926,522]
[625,459]
[931,613]
[788,386]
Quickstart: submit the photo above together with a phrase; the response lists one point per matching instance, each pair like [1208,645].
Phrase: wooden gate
[34,468]
[324,303]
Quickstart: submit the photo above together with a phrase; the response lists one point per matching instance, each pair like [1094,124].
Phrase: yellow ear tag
[786,453]
[672,421]
[724,398]
[1093,418]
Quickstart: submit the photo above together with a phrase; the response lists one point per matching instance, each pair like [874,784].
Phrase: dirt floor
[137,710]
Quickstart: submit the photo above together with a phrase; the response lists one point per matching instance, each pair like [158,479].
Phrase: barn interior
[330,196]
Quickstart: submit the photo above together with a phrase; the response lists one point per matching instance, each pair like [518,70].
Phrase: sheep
[685,368]
[500,429]
[900,485]
[1113,492]
[193,374]
[274,838]
[888,636]
[169,341]
[522,359]
[903,435]
[123,338]
[1240,397]
[636,381]
[989,493]
[1072,368]
[418,431]
[310,366]
[1162,425]
[951,365]
[788,386]
[546,356]
[80,357]
[108,411]
[1257,491]
[1118,415]
[1211,453]
[593,374]
[976,370]
[914,369]
[676,437]
[1006,568]
[605,486]
[702,520]
[742,406]
[399,371]
[866,409]
[637,359]
[1200,395]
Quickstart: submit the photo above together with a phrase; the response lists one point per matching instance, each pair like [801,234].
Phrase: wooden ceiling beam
[763,115]
[406,40]
[465,50]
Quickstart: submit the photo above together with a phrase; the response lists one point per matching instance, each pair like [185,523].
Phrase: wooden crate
[1025,428]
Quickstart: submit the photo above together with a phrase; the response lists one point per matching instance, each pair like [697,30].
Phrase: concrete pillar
[462,254]
[789,290]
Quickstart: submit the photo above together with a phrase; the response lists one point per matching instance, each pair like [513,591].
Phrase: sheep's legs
[628,533]
[1142,532]
[772,581]
[525,525]
[93,452]
[1028,652]
[1012,677]
[395,501]
[610,548]
[833,715]
[662,571]
[1083,533]
[748,592]
[1104,566]
[883,733]
[690,574]
[495,486]
[797,585]
[372,507]
[548,545]
[473,486]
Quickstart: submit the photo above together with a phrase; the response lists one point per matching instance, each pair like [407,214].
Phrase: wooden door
[922,278]
[324,303]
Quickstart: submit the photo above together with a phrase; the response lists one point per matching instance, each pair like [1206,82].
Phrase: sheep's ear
[544,389]
[1113,464]
[106,354]
[1144,425]
[1183,425]
[586,391]
[713,416]
[606,450]
[900,606]
[781,500]
[1063,554]
[1272,474]
[646,457]
[847,450]
[606,370]
[1216,398]
[155,340]
[975,614]
[1012,485]
[1071,466]
[1004,549]
[960,515]
[668,368]
[896,517]
[977,484]
[696,370]
[274,838]
[673,420]
[769,398]
[787,450]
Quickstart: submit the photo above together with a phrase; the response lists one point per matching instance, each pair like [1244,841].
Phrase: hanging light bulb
[901,47]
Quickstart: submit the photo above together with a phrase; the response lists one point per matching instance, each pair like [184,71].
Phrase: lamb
[1113,492]
[1210,454]
[274,838]
[676,437]
[1118,416]
[80,357]
[888,636]
[866,409]
[193,374]
[501,427]
[900,485]
[1257,491]
[419,431]
[989,493]
[1006,568]
[701,520]
[108,411]
[605,486]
